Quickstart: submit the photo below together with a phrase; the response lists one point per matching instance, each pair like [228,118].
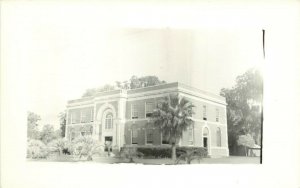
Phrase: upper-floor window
[204,112]
[84,117]
[149,109]
[217,115]
[75,117]
[134,136]
[108,121]
[134,111]
[149,136]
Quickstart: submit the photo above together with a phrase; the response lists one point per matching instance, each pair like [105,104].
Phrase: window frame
[146,135]
[219,137]
[134,137]
[191,139]
[163,140]
[134,108]
[147,111]
[217,115]
[111,121]
[204,107]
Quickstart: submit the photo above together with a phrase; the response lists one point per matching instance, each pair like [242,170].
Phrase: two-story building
[123,118]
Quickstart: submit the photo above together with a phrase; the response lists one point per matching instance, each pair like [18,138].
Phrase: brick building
[123,118]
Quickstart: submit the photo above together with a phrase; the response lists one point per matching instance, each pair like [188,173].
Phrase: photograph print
[145,95]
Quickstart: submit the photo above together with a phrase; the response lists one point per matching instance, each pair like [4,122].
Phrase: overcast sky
[65,51]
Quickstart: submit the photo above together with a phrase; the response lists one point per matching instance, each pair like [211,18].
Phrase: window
[134,136]
[149,136]
[218,137]
[92,114]
[165,138]
[72,135]
[217,115]
[134,111]
[204,112]
[191,135]
[82,133]
[108,121]
[149,109]
[83,116]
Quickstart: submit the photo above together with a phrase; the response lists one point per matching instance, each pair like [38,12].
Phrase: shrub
[86,146]
[58,145]
[36,149]
[130,152]
[190,153]
[166,151]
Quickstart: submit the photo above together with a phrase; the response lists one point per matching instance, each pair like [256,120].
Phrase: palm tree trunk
[173,151]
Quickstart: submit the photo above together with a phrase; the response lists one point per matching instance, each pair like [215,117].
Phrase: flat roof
[177,85]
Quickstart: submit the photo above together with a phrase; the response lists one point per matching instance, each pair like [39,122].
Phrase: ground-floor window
[218,137]
[149,136]
[134,136]
[191,135]
[165,138]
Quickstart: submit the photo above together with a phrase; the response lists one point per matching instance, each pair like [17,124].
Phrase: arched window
[218,137]
[108,121]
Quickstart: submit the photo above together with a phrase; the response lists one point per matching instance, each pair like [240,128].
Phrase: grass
[167,161]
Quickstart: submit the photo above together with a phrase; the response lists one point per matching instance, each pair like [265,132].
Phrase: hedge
[166,151]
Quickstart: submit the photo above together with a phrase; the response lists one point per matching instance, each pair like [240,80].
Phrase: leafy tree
[32,125]
[48,134]
[173,116]
[244,108]
[133,83]
[246,141]
[62,121]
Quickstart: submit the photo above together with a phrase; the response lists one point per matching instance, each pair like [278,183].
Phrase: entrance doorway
[108,142]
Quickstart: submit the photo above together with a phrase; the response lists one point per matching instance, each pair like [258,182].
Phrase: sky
[64,50]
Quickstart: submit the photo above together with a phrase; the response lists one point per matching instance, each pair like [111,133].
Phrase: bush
[189,154]
[130,152]
[36,149]
[158,152]
[86,146]
[58,145]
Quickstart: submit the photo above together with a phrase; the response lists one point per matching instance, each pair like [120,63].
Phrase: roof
[161,87]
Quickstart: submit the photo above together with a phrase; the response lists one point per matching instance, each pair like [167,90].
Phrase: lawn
[115,160]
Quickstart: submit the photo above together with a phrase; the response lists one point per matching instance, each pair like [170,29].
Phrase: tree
[246,141]
[173,116]
[133,83]
[32,125]
[244,108]
[87,146]
[62,121]
[48,134]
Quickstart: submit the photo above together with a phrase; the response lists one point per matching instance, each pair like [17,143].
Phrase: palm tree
[173,116]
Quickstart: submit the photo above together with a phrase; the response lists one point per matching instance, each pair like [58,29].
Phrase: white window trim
[161,140]
[132,107]
[146,108]
[219,137]
[146,140]
[111,125]
[132,137]
[217,115]
[192,140]
[204,112]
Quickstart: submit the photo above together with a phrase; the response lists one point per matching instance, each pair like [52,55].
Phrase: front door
[108,142]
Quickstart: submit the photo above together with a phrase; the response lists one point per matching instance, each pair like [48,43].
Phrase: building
[122,117]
